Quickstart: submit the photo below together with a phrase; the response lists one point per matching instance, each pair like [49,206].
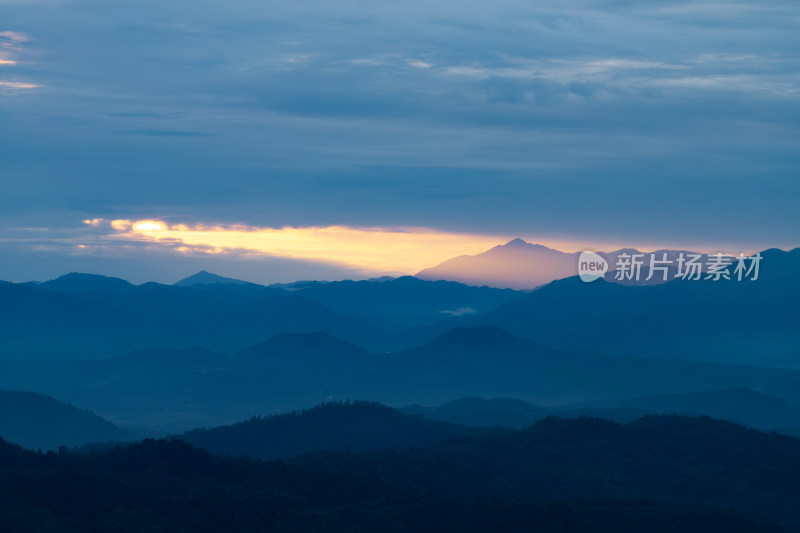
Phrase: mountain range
[747,322]
[95,316]
[175,390]
[741,405]
[742,322]
[524,266]
[350,426]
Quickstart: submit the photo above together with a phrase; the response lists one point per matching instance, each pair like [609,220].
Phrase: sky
[278,141]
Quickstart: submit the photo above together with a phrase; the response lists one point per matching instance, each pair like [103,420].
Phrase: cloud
[157,249]
[461,311]
[164,133]
[9,46]
[569,120]
[700,73]
[9,39]
[18,85]
[373,249]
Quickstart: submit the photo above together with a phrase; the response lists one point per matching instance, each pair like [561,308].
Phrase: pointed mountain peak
[524,246]
[517,264]
[207,278]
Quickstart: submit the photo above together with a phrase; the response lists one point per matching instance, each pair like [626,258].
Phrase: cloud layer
[627,121]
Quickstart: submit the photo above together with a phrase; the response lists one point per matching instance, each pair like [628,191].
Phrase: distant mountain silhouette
[357,426]
[75,324]
[740,405]
[513,413]
[95,316]
[87,283]
[404,301]
[516,265]
[524,266]
[747,322]
[175,390]
[485,357]
[106,323]
[35,421]
[207,278]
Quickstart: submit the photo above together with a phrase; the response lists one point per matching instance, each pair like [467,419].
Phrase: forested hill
[658,474]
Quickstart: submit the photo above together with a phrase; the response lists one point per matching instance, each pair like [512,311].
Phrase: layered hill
[355,427]
[38,421]
[741,405]
[175,390]
[91,317]
[727,321]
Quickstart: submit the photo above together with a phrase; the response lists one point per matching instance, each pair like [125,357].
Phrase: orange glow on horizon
[378,250]
[390,250]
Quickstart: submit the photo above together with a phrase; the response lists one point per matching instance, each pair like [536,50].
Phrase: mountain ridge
[35,420]
[207,278]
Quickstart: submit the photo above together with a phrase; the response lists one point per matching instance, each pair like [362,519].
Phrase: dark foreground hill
[358,426]
[38,421]
[659,474]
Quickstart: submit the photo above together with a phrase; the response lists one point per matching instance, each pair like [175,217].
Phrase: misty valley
[372,405]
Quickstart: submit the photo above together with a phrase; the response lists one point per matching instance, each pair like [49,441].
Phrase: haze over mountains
[524,266]
[95,316]
[91,317]
[748,322]
[38,421]
[353,427]
[158,157]
[473,383]
[741,405]
[210,350]
[516,264]
[177,390]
